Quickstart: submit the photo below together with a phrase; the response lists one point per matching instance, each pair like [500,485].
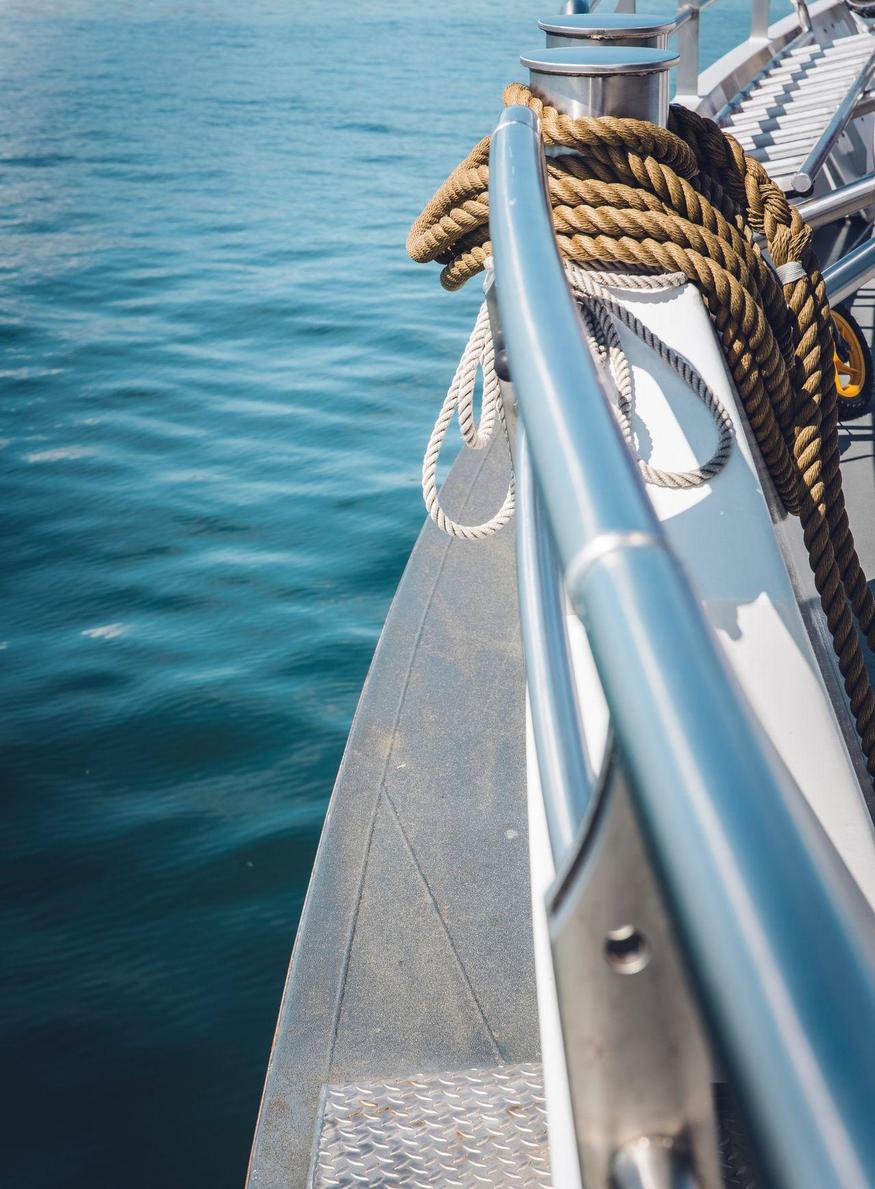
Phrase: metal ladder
[791,115]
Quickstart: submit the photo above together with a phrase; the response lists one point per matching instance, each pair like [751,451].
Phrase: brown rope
[688,199]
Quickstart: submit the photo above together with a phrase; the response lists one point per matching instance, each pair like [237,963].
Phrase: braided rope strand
[631,195]
[479,355]
[600,309]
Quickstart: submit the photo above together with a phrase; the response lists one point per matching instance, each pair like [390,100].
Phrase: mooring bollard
[603,80]
[607,28]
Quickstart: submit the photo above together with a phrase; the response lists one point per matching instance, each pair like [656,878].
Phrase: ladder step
[785,118]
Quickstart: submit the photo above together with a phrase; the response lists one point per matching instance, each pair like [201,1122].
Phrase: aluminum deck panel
[465,1130]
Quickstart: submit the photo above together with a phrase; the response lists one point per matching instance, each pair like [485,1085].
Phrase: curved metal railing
[775,933]
[566,778]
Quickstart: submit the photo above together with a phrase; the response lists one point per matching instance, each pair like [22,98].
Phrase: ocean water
[217,374]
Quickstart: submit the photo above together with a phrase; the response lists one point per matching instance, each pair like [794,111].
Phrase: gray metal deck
[414,952]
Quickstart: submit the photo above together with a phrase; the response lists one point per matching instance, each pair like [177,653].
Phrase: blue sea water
[217,373]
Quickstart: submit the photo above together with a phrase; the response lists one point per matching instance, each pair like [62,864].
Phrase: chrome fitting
[603,80]
[607,28]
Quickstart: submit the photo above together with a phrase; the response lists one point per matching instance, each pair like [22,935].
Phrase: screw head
[626,950]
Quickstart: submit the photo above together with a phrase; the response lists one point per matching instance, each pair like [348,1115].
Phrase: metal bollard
[609,28]
[603,80]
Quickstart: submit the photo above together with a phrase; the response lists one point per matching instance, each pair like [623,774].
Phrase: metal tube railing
[566,779]
[580,505]
[839,203]
[804,177]
[865,105]
[850,272]
[687,11]
[777,937]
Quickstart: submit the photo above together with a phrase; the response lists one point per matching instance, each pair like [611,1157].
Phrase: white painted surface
[722,533]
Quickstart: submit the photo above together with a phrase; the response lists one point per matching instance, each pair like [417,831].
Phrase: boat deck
[414,952]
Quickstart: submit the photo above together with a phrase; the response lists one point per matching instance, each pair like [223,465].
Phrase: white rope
[599,309]
[479,354]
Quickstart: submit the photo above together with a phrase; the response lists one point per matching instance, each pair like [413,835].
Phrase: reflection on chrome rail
[769,920]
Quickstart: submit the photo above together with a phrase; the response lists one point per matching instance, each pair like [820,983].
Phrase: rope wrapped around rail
[634,196]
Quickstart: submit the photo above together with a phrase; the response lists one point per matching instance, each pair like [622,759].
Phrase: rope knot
[479,355]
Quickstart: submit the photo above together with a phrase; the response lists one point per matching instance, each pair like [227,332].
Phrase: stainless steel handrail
[687,11]
[865,105]
[804,178]
[778,939]
[686,23]
[839,203]
[566,778]
[850,273]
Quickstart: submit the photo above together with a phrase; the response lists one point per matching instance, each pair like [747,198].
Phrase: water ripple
[218,374]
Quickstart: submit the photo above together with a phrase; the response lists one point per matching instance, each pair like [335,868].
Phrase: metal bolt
[626,950]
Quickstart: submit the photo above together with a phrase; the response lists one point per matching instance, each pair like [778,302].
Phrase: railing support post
[687,88]
[759,20]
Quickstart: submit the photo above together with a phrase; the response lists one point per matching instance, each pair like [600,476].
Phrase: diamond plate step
[478,1128]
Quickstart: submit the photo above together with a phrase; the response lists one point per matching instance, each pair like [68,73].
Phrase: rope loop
[604,135]
[478,356]
[600,309]
[686,199]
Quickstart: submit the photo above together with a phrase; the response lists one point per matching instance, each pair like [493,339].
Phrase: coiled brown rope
[687,199]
